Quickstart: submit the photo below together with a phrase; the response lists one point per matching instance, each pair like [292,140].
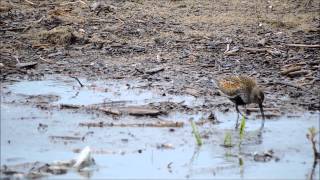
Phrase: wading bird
[242,90]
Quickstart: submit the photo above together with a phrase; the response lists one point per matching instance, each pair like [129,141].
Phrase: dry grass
[303,21]
[60,35]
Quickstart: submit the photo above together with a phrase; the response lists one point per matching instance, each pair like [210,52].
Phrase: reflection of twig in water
[77,93]
[241,164]
[194,156]
[260,137]
[169,167]
[86,173]
[310,177]
[88,133]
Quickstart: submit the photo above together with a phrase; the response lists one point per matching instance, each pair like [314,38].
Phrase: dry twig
[81,85]
[304,45]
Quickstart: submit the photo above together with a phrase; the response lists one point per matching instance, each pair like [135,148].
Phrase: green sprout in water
[227,140]
[241,164]
[242,126]
[196,133]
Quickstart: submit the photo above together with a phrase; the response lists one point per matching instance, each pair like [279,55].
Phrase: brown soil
[179,43]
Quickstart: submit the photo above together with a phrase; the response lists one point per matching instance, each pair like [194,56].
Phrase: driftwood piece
[140,111]
[68,138]
[27,65]
[45,60]
[304,45]
[29,2]
[155,70]
[158,124]
[294,65]
[134,111]
[109,110]
[231,52]
[273,52]
[298,73]
[69,106]
[290,69]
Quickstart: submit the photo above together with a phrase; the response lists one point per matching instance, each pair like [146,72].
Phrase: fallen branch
[79,1]
[140,111]
[304,45]
[155,70]
[45,60]
[27,65]
[14,29]
[33,4]
[289,70]
[298,73]
[68,138]
[231,52]
[109,110]
[69,106]
[157,124]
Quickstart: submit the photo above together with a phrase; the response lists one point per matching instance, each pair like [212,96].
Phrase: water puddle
[108,91]
[30,134]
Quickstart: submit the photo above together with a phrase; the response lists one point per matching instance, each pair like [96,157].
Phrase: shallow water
[111,91]
[116,149]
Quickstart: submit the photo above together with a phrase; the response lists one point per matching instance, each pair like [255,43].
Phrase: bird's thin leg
[245,109]
[263,118]
[237,125]
[238,112]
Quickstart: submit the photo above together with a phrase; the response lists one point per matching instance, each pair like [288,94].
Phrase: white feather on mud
[84,159]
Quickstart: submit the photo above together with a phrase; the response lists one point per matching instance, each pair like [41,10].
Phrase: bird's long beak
[262,113]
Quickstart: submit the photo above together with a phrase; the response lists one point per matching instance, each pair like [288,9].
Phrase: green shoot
[242,126]
[227,140]
[240,161]
[241,164]
[196,133]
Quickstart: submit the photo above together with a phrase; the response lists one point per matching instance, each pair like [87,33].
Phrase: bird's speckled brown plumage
[242,90]
[237,86]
